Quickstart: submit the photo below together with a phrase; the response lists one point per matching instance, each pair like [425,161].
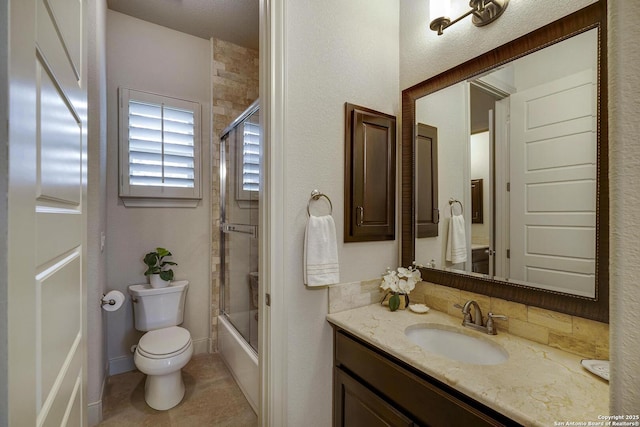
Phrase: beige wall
[152,58]
[624,176]
[334,52]
[96,207]
[4,184]
[441,110]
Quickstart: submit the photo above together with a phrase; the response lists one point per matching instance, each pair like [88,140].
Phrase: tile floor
[212,398]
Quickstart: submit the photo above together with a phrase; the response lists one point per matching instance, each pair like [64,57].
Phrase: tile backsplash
[584,337]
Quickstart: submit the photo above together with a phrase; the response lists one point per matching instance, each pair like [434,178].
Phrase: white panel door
[501,174]
[553,184]
[47,213]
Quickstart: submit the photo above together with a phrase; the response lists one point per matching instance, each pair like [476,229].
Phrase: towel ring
[315,195]
[451,203]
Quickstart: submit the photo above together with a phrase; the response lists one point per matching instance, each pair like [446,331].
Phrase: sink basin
[455,345]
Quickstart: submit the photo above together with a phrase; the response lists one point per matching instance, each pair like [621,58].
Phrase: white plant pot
[156,282]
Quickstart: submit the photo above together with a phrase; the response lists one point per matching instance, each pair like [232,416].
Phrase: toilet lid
[164,341]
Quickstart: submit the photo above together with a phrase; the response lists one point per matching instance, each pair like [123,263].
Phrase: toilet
[165,348]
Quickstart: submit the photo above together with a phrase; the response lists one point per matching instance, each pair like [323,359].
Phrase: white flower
[403,285]
[404,272]
[390,281]
[403,281]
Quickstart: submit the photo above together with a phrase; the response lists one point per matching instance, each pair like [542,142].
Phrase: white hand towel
[321,265]
[456,240]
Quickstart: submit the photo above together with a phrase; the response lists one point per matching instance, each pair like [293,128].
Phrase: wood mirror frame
[597,308]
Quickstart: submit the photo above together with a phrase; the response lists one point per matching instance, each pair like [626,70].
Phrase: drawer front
[427,403]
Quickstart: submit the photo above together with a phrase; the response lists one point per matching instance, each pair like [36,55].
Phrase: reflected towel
[321,265]
[456,240]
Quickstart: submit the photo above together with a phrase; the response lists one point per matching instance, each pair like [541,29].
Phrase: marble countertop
[537,386]
[479,246]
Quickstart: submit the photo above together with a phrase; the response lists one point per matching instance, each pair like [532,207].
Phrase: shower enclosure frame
[240,356]
[253,108]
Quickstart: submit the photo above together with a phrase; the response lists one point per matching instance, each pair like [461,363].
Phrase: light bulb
[439,9]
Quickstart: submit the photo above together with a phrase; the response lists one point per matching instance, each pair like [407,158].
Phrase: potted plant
[159,275]
[398,284]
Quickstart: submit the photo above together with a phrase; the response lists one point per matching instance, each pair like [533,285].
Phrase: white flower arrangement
[399,282]
[402,281]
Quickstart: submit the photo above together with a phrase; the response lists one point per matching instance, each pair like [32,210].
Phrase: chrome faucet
[475,321]
[477,313]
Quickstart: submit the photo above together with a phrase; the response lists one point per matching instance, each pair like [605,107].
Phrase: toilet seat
[164,343]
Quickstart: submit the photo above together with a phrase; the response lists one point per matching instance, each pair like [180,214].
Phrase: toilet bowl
[161,354]
[166,348]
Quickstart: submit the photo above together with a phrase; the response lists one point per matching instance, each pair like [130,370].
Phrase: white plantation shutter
[251,157]
[160,147]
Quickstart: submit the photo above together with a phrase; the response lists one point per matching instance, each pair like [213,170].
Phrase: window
[251,157]
[247,154]
[159,150]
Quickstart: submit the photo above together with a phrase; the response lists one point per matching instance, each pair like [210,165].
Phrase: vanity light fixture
[483,12]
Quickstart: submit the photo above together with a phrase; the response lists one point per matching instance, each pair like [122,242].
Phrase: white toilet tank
[155,308]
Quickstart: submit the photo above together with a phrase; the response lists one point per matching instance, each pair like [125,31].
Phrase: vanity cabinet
[372,388]
[480,260]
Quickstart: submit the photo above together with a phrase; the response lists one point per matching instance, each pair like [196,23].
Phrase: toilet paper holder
[105,301]
[112,300]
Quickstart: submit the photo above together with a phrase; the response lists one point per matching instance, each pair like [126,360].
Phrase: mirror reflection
[516,170]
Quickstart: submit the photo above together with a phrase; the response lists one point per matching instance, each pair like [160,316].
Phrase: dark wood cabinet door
[427,215]
[357,406]
[415,396]
[480,260]
[370,186]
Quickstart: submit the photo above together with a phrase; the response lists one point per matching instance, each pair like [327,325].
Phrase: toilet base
[163,392]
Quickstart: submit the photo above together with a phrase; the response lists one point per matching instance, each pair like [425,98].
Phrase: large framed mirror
[522,170]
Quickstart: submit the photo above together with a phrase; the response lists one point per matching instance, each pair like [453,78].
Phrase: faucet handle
[490,316]
[456,305]
[497,316]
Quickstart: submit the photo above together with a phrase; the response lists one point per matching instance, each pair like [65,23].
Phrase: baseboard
[121,364]
[94,410]
[201,346]
[94,413]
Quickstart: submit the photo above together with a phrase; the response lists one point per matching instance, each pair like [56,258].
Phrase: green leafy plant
[157,265]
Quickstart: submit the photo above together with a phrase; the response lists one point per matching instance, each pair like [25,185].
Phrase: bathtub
[240,358]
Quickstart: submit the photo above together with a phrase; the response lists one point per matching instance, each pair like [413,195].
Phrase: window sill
[142,202]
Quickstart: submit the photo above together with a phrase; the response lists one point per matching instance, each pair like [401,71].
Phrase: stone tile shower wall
[234,88]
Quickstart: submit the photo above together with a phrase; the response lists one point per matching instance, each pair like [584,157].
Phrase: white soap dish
[598,367]
[418,308]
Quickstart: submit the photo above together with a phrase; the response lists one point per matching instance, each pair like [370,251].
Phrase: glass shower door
[239,157]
